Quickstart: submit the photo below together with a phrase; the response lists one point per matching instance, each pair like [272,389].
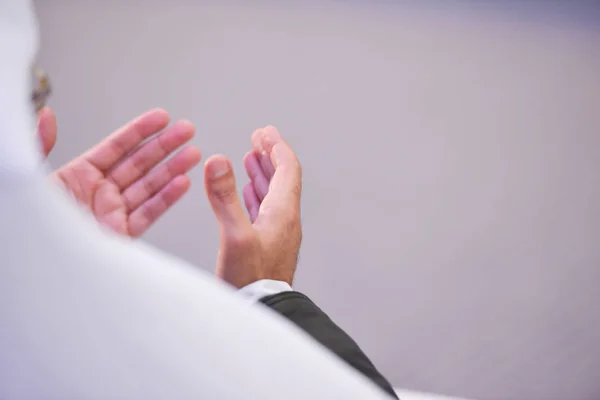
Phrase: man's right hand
[265,244]
[123,180]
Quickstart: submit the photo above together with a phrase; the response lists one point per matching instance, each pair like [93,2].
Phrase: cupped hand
[265,243]
[120,180]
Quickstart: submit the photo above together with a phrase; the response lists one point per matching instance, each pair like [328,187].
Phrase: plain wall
[451,159]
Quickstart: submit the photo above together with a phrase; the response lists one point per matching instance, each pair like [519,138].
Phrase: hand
[117,179]
[264,245]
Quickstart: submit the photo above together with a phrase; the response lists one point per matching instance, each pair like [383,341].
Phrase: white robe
[85,314]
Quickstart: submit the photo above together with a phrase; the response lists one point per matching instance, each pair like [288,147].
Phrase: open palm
[120,180]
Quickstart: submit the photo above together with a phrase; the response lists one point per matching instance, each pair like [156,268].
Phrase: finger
[263,158]
[256,174]
[251,201]
[150,154]
[286,184]
[267,166]
[147,214]
[47,130]
[111,150]
[221,190]
[145,188]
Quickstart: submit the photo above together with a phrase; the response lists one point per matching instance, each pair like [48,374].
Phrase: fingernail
[218,168]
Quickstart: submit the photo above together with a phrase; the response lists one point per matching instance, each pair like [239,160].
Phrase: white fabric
[88,315]
[265,287]
[18,44]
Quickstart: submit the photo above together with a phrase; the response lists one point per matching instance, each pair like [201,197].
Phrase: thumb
[47,130]
[219,181]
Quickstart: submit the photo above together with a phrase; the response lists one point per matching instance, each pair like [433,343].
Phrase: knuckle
[225,193]
[271,128]
[225,196]
[151,187]
[297,189]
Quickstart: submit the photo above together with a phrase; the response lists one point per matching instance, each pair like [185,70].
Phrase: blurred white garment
[85,314]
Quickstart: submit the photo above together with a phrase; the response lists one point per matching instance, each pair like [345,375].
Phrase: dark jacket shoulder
[300,310]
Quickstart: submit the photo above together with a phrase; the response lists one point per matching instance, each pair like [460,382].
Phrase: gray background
[451,156]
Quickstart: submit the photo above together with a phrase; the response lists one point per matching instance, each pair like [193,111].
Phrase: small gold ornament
[42,89]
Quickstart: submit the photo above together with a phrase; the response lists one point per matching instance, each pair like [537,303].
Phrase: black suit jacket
[300,310]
